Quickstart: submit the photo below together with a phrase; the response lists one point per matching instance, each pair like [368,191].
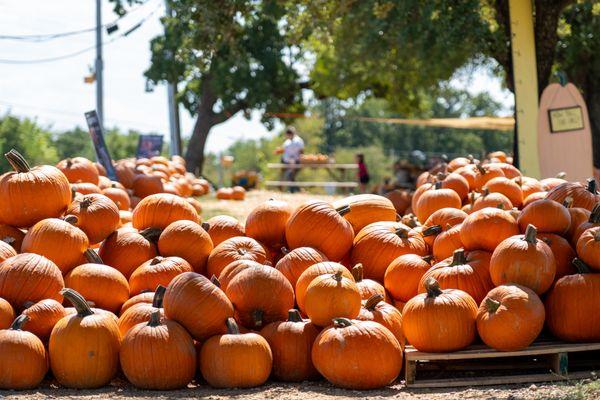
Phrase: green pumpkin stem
[530,234]
[159,295]
[78,301]
[17,161]
[358,272]
[92,257]
[294,316]
[458,258]
[18,323]
[433,288]
[343,210]
[582,268]
[232,326]
[258,318]
[492,305]
[155,318]
[372,301]
[341,322]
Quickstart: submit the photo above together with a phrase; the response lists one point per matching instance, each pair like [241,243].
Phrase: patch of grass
[581,390]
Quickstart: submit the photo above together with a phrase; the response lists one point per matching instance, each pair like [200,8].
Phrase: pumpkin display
[236,248]
[23,364]
[563,254]
[363,209]
[524,260]
[7,314]
[378,244]
[141,312]
[186,239]
[260,295]
[29,277]
[196,303]
[126,249]
[507,187]
[367,287]
[84,347]
[295,262]
[403,275]
[434,199]
[57,240]
[439,320]
[155,272]
[6,251]
[331,296]
[43,315]
[486,228]
[547,216]
[97,216]
[223,227]
[79,169]
[158,355]
[291,344]
[318,225]
[266,222]
[235,360]
[357,354]
[584,196]
[510,318]
[160,210]
[311,273]
[375,309]
[30,194]
[447,242]
[12,236]
[588,247]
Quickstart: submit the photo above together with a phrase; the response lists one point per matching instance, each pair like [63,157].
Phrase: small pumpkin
[145,185]
[592,221]
[400,199]
[528,185]
[12,236]
[311,273]
[186,239]
[534,197]
[223,227]
[547,216]
[160,210]
[375,309]
[563,254]
[236,248]
[330,296]
[403,275]
[266,222]
[126,249]
[447,242]
[507,187]
[119,197]
[145,297]
[363,209]
[588,247]
[456,182]
[230,271]
[79,169]
[367,287]
[434,199]
[485,173]
[155,272]
[7,314]
[440,221]
[489,199]
[97,216]
[43,315]
[295,262]
[141,312]
[6,251]
[486,228]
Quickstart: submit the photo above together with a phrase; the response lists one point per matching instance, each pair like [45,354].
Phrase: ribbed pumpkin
[439,320]
[547,216]
[84,188]
[528,185]
[403,275]
[485,173]
[592,221]
[126,249]
[400,199]
[447,242]
[578,217]
[493,200]
[158,355]
[534,197]
[11,235]
[197,304]
[84,347]
[125,170]
[224,194]
[469,173]
[30,194]
[106,287]
[79,169]
[141,312]
[486,228]
[357,354]
[467,271]
[145,185]
[440,221]
[160,210]
[155,272]
[588,248]
[195,203]
[510,318]
[43,315]
[367,287]
[146,297]
[311,273]
[58,241]
[331,296]
[23,364]
[235,360]
[266,222]
[231,270]
[7,314]
[291,343]
[223,227]
[6,251]
[236,248]
[434,199]
[458,162]
[563,254]
[524,260]
[97,216]
[260,295]
[29,277]
[583,196]
[375,309]
[508,188]
[456,182]
[119,197]
[363,209]
[418,193]
[378,244]
[318,225]
[186,239]
[295,262]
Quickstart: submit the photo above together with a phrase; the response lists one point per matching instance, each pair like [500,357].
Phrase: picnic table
[338,173]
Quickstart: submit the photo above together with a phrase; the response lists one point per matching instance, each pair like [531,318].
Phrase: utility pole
[173,107]
[99,66]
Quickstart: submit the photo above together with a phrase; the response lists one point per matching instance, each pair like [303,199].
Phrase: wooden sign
[564,134]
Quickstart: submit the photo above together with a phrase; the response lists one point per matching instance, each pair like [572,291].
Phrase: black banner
[97,136]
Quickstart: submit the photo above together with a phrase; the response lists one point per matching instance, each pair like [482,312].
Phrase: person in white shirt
[293,147]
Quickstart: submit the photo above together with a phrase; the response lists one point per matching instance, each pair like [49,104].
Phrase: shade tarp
[486,123]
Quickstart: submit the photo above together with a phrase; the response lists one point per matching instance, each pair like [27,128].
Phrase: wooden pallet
[479,365]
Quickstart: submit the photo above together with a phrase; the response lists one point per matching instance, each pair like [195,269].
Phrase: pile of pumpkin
[232,193]
[332,290]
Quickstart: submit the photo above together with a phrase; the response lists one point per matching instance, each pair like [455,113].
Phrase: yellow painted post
[525,82]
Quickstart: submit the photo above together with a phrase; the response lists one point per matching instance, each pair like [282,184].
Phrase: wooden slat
[299,166]
[312,184]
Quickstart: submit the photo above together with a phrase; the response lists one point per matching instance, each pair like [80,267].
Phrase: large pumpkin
[84,347]
[375,309]
[508,188]
[403,275]
[311,273]
[439,320]
[447,242]
[79,169]
[141,312]
[331,296]
[235,360]
[563,254]
[223,227]
[434,199]
[547,216]
[588,248]
[291,343]
[318,225]
[486,228]
[510,318]
[31,194]
[363,209]
[6,251]
[266,222]
[186,239]
[236,248]
[155,272]
[43,315]
[378,244]
[119,196]
[295,262]
[158,355]
[524,260]
[583,196]
[160,210]
[197,304]
[7,314]
[97,216]
[126,249]
[357,354]
[23,364]
[489,199]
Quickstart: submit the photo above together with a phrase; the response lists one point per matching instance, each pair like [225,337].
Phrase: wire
[81,51]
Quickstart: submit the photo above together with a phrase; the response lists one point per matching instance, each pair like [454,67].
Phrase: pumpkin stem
[241,252]
[531,234]
[561,175]
[92,257]
[582,268]
[568,203]
[154,318]
[458,258]
[357,272]
[341,322]
[17,161]
[471,158]
[205,226]
[432,230]
[69,163]
[591,185]
[78,301]
[500,206]
[402,233]
[343,210]
[86,202]
[480,168]
[215,281]
[8,240]
[28,304]
[597,235]
[595,214]
[159,294]
[427,258]
[437,185]
[441,176]
[472,199]
[18,323]
[73,193]
[372,301]
[284,251]
[257,318]
[294,316]
[338,275]
[71,219]
[492,305]
[433,288]
[156,260]
[232,326]
[151,234]
[411,220]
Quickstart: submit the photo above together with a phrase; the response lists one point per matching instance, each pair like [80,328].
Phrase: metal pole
[173,107]
[99,66]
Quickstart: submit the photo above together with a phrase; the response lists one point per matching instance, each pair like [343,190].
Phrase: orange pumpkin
[486,228]
[441,220]
[266,222]
[563,254]
[485,173]
[155,272]
[146,297]
[238,193]
[141,312]
[186,239]
[435,199]
[534,197]
[367,287]
[145,185]
[230,271]
[43,315]
[582,196]
[588,246]
[547,216]
[305,279]
[7,314]
[79,169]
[126,249]
[126,173]
[160,210]
[12,236]
[196,204]
[456,182]
[97,216]
[508,188]
[403,275]
[578,217]
[6,251]
[83,188]
[363,209]
[528,185]
[223,227]
[400,199]
[236,248]
[592,221]
[375,309]
[494,200]
[119,197]
[447,242]
[331,296]
[295,262]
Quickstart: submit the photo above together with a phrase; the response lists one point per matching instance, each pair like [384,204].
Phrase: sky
[54,92]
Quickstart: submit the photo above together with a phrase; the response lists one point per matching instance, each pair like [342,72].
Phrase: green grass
[581,390]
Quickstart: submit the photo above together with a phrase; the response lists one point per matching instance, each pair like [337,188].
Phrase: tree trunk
[194,156]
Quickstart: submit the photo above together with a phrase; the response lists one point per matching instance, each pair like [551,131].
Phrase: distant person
[363,173]
[292,149]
